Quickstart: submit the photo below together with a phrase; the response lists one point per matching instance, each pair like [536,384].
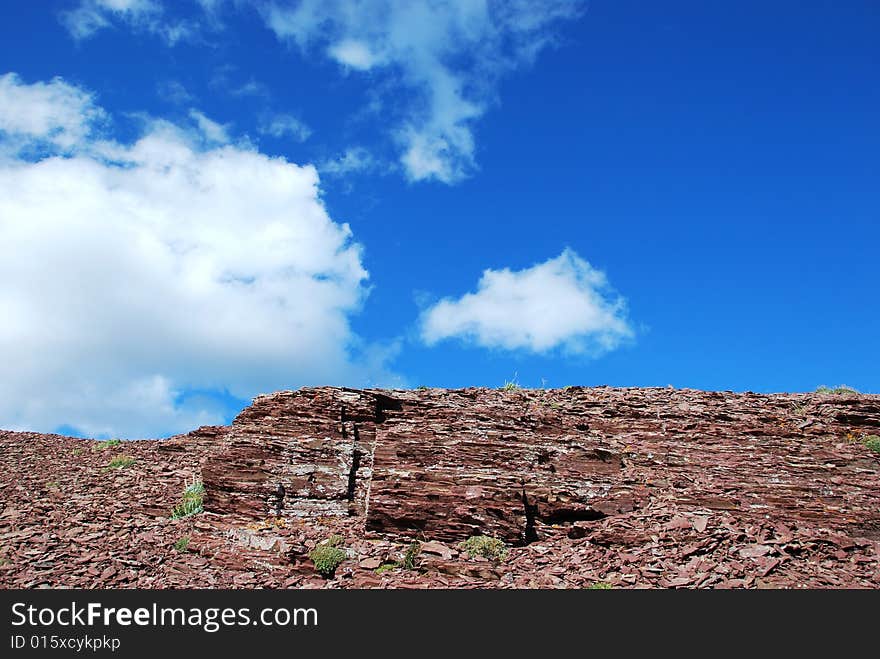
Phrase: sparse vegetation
[77,451]
[408,562]
[109,443]
[872,442]
[182,545]
[327,556]
[486,546]
[840,390]
[386,567]
[512,385]
[120,462]
[422,387]
[192,502]
[600,585]
[411,555]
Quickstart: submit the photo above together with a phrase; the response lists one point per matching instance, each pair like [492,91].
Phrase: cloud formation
[353,160]
[562,303]
[133,273]
[447,56]
[284,125]
[49,113]
[92,16]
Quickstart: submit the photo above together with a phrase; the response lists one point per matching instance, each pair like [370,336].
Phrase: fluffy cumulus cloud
[447,55]
[53,113]
[563,303]
[134,273]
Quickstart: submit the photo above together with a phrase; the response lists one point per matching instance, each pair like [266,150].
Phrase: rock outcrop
[447,465]
[632,487]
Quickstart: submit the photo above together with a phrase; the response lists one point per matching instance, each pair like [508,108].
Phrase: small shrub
[483,545]
[838,390]
[77,451]
[120,462]
[422,387]
[411,556]
[182,545]
[110,443]
[192,502]
[327,556]
[872,442]
[600,585]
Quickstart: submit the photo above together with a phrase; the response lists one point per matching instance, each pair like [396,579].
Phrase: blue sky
[206,200]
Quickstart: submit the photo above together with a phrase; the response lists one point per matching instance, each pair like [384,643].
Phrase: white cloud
[212,131]
[53,112]
[285,125]
[561,303]
[443,58]
[354,159]
[91,16]
[172,267]
[355,54]
[447,55]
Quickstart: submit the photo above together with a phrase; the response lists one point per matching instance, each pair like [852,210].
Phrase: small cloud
[354,54]
[52,112]
[92,16]
[210,129]
[285,125]
[250,88]
[174,92]
[561,303]
[354,159]
[226,78]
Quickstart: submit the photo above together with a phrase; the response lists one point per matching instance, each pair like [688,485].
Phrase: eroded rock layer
[446,465]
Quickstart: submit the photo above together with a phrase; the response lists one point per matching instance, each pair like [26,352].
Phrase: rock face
[446,465]
[629,487]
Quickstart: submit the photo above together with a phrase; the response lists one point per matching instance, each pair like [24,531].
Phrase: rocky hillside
[577,487]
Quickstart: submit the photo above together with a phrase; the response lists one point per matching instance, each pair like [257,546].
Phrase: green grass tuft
[327,556]
[120,462]
[182,545]
[110,443]
[840,390]
[411,556]
[483,545]
[600,585]
[192,502]
[386,567]
[872,442]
